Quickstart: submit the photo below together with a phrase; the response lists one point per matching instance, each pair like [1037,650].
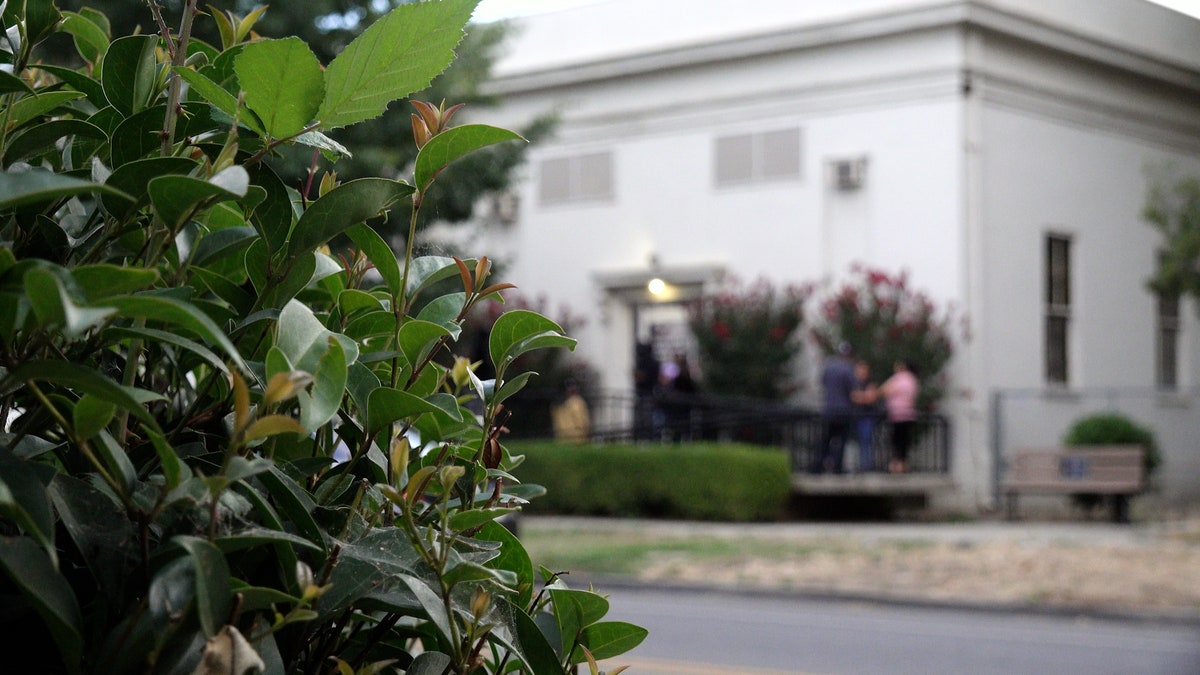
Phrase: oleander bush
[690,481]
[223,450]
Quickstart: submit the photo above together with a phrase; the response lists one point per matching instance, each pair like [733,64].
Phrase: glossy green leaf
[587,606]
[116,460]
[297,278]
[272,218]
[10,83]
[328,147]
[512,557]
[168,338]
[304,339]
[173,468]
[101,280]
[511,386]
[41,138]
[609,639]
[31,107]
[321,402]
[54,307]
[398,54]
[418,339]
[386,405]
[429,663]
[91,415]
[137,136]
[519,331]
[431,602]
[176,198]
[129,73]
[470,572]
[88,381]
[283,82]
[260,536]
[352,300]
[348,204]
[159,308]
[79,82]
[452,144]
[214,598]
[466,520]
[90,39]
[31,571]
[444,311]
[379,253]
[531,645]
[19,188]
[217,245]
[41,16]
[294,502]
[428,270]
[216,95]
[132,179]
[25,501]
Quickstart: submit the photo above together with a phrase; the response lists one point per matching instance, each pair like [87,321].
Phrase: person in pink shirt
[900,394]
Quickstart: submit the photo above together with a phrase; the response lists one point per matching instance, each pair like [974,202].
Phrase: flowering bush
[746,338]
[885,320]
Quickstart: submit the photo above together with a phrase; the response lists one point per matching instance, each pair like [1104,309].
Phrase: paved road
[704,633]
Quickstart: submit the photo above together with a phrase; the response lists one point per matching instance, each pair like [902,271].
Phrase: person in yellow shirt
[571,420]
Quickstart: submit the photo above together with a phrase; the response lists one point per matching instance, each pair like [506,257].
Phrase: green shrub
[1114,429]
[708,481]
[1111,429]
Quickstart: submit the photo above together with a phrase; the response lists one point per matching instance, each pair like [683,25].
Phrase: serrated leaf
[283,83]
[395,56]
[452,144]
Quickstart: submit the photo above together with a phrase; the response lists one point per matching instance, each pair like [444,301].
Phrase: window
[757,157]
[580,178]
[1058,308]
[1168,341]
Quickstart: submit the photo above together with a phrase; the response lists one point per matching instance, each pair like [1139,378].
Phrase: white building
[996,149]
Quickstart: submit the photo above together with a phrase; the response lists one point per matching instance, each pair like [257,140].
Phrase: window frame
[1057,310]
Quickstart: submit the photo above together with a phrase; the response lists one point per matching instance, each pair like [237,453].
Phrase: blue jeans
[864,429]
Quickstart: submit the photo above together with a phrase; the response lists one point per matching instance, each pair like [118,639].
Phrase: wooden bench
[1116,470]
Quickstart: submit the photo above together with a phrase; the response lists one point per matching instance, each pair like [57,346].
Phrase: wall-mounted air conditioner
[848,174]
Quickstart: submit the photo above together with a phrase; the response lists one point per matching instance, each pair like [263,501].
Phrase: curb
[1129,615]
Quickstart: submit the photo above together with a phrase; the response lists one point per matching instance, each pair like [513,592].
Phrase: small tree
[747,338]
[220,445]
[1175,212]
[885,321]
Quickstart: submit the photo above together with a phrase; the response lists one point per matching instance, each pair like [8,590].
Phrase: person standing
[900,393]
[864,396]
[837,380]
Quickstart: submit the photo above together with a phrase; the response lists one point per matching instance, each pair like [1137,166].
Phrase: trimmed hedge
[701,481]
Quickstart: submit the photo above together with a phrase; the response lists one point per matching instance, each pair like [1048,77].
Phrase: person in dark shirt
[837,381]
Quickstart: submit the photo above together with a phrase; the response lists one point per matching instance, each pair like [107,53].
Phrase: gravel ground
[1148,568]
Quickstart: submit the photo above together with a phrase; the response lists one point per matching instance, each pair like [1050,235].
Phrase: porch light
[656,286]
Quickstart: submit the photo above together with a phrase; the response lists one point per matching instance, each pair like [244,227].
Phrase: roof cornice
[951,14]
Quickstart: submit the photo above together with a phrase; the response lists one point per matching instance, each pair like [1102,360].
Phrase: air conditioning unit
[848,174]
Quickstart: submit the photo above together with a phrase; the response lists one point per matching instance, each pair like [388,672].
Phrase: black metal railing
[675,417]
